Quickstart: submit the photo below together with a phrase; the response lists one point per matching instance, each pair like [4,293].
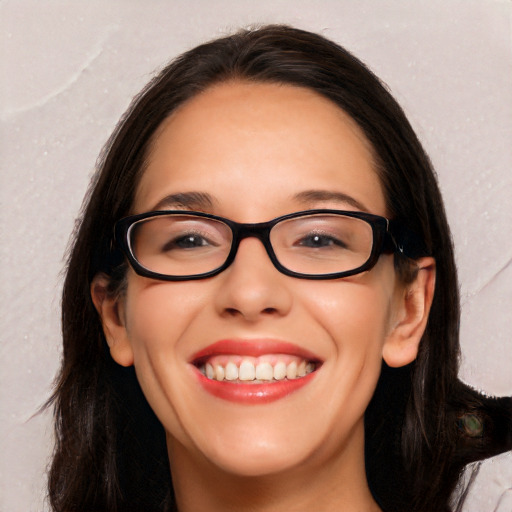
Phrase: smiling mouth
[264,369]
[252,371]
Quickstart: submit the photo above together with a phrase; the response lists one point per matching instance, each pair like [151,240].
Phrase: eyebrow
[203,202]
[315,196]
[186,200]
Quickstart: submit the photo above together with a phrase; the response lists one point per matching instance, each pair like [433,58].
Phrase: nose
[251,287]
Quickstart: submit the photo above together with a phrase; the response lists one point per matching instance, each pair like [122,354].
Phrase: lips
[254,371]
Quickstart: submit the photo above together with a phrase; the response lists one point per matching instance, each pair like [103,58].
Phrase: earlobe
[109,307]
[402,342]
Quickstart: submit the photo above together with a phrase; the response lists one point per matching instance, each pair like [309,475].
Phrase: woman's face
[253,152]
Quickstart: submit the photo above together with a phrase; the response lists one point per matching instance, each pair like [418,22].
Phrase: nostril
[235,311]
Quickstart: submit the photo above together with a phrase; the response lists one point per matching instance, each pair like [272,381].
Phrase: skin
[253,148]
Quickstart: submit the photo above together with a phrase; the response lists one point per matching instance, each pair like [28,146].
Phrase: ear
[110,309]
[402,342]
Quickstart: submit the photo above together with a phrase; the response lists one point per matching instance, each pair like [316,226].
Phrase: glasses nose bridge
[260,231]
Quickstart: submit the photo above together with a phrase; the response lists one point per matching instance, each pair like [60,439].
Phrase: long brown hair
[110,451]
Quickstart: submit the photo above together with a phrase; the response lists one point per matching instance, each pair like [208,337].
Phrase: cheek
[355,316]
[157,313]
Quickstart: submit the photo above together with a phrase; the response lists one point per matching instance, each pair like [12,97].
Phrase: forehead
[263,141]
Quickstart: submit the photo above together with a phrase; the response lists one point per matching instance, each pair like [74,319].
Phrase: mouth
[254,371]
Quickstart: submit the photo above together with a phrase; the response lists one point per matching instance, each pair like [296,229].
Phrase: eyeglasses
[312,244]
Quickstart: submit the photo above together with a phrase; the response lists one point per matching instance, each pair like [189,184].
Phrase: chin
[259,461]
[248,448]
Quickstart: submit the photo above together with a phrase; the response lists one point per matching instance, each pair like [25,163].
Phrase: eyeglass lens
[186,245]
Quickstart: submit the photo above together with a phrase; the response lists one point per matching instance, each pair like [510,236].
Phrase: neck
[335,484]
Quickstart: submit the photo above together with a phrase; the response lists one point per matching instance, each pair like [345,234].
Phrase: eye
[319,241]
[187,241]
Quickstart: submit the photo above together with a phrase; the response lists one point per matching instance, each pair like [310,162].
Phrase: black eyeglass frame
[383,241]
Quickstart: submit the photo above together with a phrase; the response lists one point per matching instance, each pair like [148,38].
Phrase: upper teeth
[247,369]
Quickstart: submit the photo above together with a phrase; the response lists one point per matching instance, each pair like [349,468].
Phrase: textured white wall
[70,68]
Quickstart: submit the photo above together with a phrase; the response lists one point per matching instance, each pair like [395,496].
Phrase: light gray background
[69,70]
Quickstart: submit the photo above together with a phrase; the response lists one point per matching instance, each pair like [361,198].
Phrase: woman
[259,253]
